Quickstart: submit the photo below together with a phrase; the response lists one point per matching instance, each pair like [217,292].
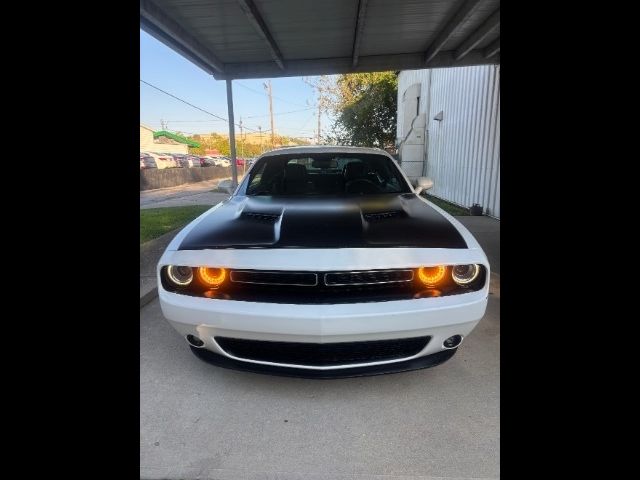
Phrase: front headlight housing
[195,281]
[432,276]
[428,281]
[443,280]
[179,275]
[465,274]
[212,277]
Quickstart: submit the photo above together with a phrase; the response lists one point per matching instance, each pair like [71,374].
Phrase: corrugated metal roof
[274,38]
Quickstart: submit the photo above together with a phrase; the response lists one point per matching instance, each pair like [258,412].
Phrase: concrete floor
[486,230]
[201,421]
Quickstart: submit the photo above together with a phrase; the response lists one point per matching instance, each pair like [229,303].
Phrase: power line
[192,105]
[282,113]
[249,116]
[191,121]
[262,93]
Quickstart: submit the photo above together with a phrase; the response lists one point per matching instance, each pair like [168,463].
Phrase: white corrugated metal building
[449,130]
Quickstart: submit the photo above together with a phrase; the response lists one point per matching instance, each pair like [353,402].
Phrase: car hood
[387,220]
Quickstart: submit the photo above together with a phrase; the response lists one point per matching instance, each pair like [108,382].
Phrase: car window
[325,174]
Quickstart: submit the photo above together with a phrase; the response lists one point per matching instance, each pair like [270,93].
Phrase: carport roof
[234,39]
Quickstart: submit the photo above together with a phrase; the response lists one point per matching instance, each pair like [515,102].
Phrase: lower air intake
[323,354]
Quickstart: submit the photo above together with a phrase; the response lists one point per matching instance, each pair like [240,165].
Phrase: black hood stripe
[387,220]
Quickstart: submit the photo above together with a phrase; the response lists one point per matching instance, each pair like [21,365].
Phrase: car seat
[295,178]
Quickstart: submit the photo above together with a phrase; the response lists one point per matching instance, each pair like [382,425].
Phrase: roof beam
[362,9]
[492,49]
[368,63]
[472,41]
[163,27]
[461,15]
[251,11]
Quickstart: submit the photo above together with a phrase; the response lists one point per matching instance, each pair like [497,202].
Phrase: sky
[167,70]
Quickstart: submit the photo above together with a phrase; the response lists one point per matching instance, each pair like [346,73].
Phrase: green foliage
[448,207]
[158,221]
[248,146]
[366,106]
[215,141]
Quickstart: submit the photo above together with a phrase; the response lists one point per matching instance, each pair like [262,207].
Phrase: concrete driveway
[199,193]
[200,421]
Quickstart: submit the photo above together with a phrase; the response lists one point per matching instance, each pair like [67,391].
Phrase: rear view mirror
[422,183]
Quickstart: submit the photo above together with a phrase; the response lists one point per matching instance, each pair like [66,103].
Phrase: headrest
[293,172]
[324,163]
[353,170]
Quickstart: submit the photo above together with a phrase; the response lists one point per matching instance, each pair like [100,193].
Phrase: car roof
[311,149]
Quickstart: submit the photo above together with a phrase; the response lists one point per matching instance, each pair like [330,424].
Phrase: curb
[148,248]
[148,297]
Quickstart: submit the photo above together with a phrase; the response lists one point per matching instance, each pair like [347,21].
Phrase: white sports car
[324,262]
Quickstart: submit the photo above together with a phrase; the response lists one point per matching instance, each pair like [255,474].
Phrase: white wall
[148,144]
[461,153]
[170,148]
[146,139]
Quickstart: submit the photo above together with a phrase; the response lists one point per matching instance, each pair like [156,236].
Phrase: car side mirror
[422,183]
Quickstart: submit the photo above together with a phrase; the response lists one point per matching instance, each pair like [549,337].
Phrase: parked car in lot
[161,161]
[215,160]
[188,161]
[222,161]
[325,262]
[176,157]
[168,159]
[147,161]
[193,161]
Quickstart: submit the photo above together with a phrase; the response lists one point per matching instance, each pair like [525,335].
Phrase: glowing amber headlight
[212,277]
[431,276]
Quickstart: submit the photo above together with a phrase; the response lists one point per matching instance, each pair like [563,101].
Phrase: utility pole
[163,124]
[322,86]
[267,87]
[244,160]
[319,116]
[241,140]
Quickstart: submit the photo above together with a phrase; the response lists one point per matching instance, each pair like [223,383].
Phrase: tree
[366,106]
[247,146]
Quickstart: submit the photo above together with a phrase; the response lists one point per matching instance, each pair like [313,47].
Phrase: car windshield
[325,174]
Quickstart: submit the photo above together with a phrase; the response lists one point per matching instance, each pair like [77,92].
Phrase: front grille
[370,277]
[274,278]
[321,287]
[323,354]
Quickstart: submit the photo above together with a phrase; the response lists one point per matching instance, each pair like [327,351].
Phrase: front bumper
[438,318]
[424,361]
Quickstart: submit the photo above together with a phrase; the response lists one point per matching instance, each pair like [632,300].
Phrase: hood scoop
[377,216]
[261,217]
